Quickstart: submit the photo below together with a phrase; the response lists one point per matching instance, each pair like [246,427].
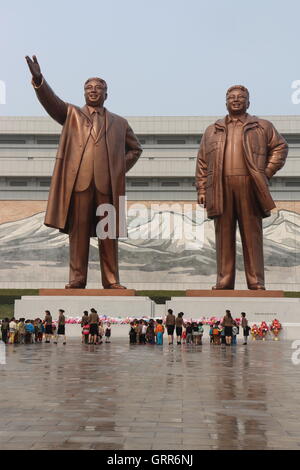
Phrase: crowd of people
[23,331]
[141,331]
[190,332]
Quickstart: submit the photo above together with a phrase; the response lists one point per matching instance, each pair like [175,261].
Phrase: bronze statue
[96,149]
[237,157]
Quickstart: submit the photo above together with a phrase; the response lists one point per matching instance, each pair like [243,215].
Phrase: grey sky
[159,57]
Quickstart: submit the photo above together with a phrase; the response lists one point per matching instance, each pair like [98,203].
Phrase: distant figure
[170,325]
[61,327]
[227,323]
[107,333]
[179,324]
[245,326]
[48,326]
[132,333]
[94,326]
[159,332]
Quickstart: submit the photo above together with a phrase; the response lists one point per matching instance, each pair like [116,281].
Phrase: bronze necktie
[96,124]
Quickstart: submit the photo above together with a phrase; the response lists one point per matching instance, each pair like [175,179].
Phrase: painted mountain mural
[153,251]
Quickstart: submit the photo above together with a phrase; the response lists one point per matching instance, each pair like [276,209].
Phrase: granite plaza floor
[116,396]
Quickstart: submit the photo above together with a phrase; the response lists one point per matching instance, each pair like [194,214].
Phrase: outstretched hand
[202,200]
[35,69]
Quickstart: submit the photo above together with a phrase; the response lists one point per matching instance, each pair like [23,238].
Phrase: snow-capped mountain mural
[156,253]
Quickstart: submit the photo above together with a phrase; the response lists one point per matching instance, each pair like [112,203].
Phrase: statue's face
[237,101]
[95,93]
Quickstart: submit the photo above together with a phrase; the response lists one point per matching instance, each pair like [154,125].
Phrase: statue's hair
[239,87]
[103,82]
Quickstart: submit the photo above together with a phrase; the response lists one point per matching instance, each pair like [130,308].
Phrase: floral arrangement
[263,330]
[275,327]
[254,331]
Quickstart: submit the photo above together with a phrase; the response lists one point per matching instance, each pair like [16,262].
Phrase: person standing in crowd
[195,333]
[170,325]
[150,334]
[85,327]
[178,325]
[29,332]
[40,331]
[5,329]
[216,333]
[48,326]
[159,332]
[132,333]
[21,330]
[227,323]
[94,323]
[201,331]
[12,330]
[245,326]
[143,333]
[107,333]
[61,327]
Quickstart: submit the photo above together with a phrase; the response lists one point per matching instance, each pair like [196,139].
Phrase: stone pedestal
[257,308]
[31,307]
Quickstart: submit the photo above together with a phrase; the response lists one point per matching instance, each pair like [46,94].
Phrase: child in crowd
[189,331]
[201,331]
[183,337]
[101,333]
[216,333]
[211,336]
[143,333]
[12,331]
[235,331]
[150,334]
[29,332]
[85,325]
[107,333]
[195,333]
[159,331]
[21,331]
[223,338]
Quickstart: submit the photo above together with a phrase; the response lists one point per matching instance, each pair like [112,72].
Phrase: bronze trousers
[240,206]
[82,212]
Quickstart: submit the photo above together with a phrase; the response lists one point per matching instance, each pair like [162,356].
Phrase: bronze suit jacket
[123,149]
[265,153]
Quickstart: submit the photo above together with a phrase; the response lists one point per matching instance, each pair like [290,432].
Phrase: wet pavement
[116,396]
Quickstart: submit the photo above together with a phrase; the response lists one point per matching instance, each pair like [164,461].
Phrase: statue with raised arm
[95,151]
[238,155]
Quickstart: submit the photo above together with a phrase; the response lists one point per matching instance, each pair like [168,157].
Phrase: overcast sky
[159,57]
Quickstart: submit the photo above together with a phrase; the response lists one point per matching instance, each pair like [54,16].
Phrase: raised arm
[201,172]
[133,149]
[54,106]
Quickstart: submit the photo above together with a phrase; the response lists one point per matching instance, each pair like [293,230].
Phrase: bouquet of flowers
[254,331]
[275,327]
[263,330]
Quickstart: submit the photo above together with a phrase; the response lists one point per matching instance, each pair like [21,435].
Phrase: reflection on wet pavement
[117,396]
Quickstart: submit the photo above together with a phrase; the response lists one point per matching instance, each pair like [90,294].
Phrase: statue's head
[237,99]
[95,91]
